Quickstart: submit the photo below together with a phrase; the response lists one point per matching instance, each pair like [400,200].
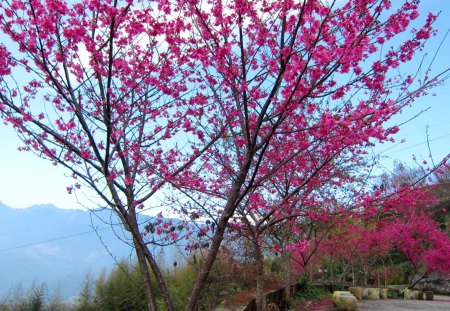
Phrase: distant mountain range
[60,247]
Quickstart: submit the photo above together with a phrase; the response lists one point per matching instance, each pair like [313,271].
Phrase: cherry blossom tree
[293,79]
[409,221]
[424,246]
[306,260]
[92,86]
[402,223]
[209,99]
[287,222]
[359,246]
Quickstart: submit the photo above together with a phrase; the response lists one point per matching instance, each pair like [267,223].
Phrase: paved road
[440,303]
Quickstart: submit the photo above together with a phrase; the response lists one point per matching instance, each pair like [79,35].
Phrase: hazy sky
[27,180]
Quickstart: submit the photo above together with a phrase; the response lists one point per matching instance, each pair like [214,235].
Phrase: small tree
[87,297]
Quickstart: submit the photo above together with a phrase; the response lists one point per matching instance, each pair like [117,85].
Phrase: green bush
[275,264]
[392,294]
[180,281]
[309,291]
[123,289]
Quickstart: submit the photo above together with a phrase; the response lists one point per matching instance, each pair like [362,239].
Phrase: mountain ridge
[59,247]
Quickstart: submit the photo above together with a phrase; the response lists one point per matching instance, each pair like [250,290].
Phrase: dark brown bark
[414,282]
[151,305]
[217,239]
[260,296]
[160,279]
[286,258]
[139,243]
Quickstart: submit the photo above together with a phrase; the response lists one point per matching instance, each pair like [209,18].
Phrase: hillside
[60,247]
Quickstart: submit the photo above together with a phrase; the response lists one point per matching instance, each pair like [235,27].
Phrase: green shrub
[309,291]
[87,300]
[275,264]
[392,294]
[123,289]
[180,281]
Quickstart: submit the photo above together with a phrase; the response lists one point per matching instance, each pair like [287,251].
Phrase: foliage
[389,243]
[36,299]
[180,280]
[393,294]
[122,288]
[309,291]
[274,264]
[228,276]
[423,245]
[87,299]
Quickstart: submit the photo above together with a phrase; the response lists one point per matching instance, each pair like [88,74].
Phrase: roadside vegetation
[388,244]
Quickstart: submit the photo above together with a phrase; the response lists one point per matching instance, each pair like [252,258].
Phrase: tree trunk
[343,274]
[353,274]
[331,276]
[260,296]
[216,240]
[140,244]
[151,305]
[160,279]
[413,283]
[286,257]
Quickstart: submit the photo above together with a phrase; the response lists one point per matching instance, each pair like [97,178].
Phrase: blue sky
[433,110]
[27,180]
